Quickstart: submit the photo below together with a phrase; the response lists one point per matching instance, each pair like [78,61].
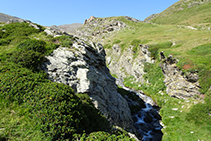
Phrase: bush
[65,41]
[34,45]
[57,109]
[27,58]
[53,106]
[4,42]
[17,82]
[14,30]
[29,53]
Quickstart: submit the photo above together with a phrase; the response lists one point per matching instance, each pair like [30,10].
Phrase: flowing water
[147,119]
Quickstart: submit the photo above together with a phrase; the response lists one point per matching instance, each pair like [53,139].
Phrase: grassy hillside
[192,47]
[186,12]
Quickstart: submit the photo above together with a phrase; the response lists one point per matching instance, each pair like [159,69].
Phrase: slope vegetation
[185,12]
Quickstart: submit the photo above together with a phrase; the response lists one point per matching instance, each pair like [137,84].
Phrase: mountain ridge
[4,17]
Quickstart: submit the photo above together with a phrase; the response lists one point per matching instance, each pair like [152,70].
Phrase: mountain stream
[147,119]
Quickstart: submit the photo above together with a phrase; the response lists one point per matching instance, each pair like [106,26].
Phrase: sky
[60,12]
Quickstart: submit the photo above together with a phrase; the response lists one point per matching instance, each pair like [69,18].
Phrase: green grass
[188,121]
[15,123]
[198,14]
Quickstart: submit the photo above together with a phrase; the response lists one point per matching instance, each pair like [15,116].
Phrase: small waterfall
[147,119]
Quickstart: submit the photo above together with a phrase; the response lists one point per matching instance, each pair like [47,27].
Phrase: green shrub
[4,42]
[17,82]
[65,41]
[27,58]
[18,40]
[14,30]
[34,45]
[53,106]
[57,109]
[29,53]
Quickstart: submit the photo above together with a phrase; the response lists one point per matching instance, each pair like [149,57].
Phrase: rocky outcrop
[83,68]
[178,85]
[90,19]
[55,31]
[123,63]
[95,28]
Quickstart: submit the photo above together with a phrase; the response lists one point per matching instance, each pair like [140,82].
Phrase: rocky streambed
[146,119]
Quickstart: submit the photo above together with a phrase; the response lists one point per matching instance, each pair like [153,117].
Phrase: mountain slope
[70,28]
[186,12]
[5,17]
[185,42]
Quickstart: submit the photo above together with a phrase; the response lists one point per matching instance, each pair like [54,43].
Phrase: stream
[147,119]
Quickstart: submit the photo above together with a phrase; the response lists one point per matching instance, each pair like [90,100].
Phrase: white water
[147,119]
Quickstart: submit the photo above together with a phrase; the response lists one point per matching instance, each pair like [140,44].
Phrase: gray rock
[83,68]
[178,85]
[123,64]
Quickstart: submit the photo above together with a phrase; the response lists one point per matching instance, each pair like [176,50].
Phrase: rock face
[178,85]
[83,68]
[125,64]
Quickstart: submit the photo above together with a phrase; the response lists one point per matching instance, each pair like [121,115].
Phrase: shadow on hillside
[3,138]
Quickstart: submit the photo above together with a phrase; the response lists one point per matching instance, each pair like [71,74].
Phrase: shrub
[27,58]
[4,42]
[53,106]
[34,45]
[29,53]
[57,109]
[65,41]
[14,30]
[17,82]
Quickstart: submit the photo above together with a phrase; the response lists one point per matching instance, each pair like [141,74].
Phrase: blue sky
[59,12]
